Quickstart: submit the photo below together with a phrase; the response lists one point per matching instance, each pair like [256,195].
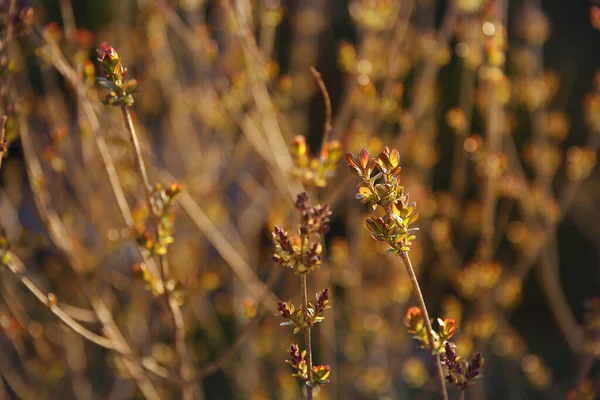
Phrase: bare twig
[327,126]
[2,138]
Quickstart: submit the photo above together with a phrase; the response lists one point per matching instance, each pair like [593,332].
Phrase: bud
[52,300]
[447,328]
[334,151]
[286,309]
[414,320]
[299,148]
[109,58]
[323,300]
[320,373]
[173,190]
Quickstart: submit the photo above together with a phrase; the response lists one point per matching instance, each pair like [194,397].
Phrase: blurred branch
[3,145]
[237,263]
[327,125]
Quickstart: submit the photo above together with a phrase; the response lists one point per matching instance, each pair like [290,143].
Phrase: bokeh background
[224,87]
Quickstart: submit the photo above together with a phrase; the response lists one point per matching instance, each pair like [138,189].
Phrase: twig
[327,126]
[49,300]
[558,303]
[60,237]
[178,322]
[307,341]
[17,267]
[428,327]
[2,138]
[226,250]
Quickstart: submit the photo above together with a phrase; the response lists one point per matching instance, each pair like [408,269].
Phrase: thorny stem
[429,328]
[178,322]
[307,341]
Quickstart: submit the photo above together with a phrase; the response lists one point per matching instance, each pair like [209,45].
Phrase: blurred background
[494,106]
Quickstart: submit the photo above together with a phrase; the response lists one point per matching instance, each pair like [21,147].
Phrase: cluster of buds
[300,318]
[120,90]
[302,253]
[162,200]
[156,285]
[312,170]
[415,325]
[383,189]
[319,374]
[460,372]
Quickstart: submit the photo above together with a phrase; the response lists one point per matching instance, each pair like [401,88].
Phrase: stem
[2,138]
[423,308]
[327,125]
[461,394]
[307,342]
[173,307]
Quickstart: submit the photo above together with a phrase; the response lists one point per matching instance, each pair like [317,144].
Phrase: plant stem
[461,394]
[423,308]
[2,138]
[307,342]
[177,317]
[327,125]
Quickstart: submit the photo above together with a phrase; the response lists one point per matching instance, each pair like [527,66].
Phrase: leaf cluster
[120,90]
[416,326]
[383,189]
[315,170]
[162,200]
[300,318]
[319,375]
[302,253]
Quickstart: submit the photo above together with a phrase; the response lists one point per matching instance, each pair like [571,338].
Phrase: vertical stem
[2,138]
[307,342]
[429,328]
[327,125]
[173,307]
[139,161]
[461,394]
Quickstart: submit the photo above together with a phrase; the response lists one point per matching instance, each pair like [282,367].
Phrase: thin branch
[428,327]
[307,339]
[327,126]
[178,322]
[49,300]
[2,138]
[16,266]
